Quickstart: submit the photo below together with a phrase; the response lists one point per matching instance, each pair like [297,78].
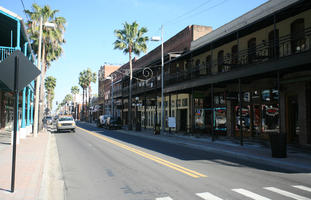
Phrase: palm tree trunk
[130,94]
[43,69]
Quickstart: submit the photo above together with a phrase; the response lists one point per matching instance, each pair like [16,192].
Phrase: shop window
[265,94]
[270,118]
[251,52]
[178,103]
[298,42]
[173,104]
[200,115]
[220,119]
[245,117]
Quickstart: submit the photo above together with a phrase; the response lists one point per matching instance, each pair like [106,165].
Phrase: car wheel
[73,130]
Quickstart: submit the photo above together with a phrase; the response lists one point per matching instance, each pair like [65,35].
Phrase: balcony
[265,51]
[6,52]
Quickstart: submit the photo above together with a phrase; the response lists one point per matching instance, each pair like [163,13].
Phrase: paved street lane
[103,164]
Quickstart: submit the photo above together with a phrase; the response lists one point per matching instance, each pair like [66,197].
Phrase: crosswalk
[252,195]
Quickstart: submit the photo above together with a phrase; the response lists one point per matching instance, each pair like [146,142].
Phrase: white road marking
[208,196]
[287,194]
[164,198]
[250,194]
[302,187]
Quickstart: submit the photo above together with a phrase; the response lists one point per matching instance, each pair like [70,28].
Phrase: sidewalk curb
[52,185]
[273,162]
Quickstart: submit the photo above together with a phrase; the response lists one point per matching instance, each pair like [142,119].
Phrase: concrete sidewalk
[297,160]
[30,157]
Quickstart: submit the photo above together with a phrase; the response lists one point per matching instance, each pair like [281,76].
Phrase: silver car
[65,122]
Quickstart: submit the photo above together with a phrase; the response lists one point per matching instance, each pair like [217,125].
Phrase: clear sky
[90,25]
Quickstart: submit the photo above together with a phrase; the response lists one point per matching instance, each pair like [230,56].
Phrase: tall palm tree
[130,39]
[50,84]
[83,82]
[74,92]
[52,39]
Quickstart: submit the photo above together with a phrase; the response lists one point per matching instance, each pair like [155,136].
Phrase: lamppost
[156,38]
[36,117]
[138,126]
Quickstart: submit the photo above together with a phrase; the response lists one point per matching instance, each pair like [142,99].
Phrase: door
[292,119]
[183,119]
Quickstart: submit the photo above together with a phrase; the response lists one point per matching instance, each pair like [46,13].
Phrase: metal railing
[6,52]
[265,51]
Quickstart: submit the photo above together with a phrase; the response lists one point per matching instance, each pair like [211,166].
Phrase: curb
[242,156]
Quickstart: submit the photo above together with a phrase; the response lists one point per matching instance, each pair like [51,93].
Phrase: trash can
[157,129]
[278,145]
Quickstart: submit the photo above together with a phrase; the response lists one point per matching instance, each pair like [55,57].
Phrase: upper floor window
[251,50]
[208,64]
[298,40]
[274,47]
[234,55]
[220,60]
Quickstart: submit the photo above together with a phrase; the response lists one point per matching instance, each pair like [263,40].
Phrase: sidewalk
[30,157]
[297,160]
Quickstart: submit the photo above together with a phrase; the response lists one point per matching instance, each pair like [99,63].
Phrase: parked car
[65,123]
[47,120]
[112,123]
[102,120]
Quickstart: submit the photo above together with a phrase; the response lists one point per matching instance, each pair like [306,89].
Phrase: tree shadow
[185,152]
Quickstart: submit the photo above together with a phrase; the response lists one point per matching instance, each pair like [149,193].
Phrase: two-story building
[13,36]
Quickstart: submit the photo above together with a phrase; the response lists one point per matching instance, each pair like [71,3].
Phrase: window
[234,55]
[298,42]
[220,60]
[208,64]
[274,42]
[185,102]
[251,50]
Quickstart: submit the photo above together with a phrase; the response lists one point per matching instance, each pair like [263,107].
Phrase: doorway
[183,119]
[292,119]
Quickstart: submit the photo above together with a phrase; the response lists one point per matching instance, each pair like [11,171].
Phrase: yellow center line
[161,161]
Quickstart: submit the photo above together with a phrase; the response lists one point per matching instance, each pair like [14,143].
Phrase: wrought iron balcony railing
[5,52]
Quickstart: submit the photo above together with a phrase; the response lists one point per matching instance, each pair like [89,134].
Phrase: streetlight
[157,38]
[48,25]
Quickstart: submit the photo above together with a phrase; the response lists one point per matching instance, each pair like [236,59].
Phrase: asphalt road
[108,165]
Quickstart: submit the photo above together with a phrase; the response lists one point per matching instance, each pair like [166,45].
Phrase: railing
[6,52]
[263,52]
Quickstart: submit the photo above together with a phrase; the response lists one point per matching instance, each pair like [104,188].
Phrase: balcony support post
[240,102]
[212,112]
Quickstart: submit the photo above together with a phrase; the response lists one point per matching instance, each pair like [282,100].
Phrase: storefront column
[169,109]
[192,115]
[23,125]
[240,102]
[212,112]
[145,112]
[28,106]
[31,112]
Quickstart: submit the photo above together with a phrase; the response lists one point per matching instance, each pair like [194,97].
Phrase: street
[104,164]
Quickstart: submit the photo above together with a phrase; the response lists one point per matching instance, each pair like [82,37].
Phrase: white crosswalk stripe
[302,187]
[208,196]
[164,198]
[250,194]
[287,194]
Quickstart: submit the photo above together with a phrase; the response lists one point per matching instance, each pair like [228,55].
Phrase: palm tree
[74,92]
[52,39]
[50,84]
[130,39]
[66,101]
[83,82]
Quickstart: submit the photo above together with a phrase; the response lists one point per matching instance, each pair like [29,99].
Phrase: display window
[270,118]
[245,117]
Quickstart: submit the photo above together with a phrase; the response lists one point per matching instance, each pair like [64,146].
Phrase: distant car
[48,120]
[102,120]
[65,123]
[112,123]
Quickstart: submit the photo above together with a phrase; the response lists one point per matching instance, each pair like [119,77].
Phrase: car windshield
[48,118]
[66,119]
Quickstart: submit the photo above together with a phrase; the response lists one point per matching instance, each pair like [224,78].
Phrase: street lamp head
[49,25]
[136,98]
[155,38]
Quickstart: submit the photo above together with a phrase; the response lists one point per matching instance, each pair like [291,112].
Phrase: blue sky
[90,26]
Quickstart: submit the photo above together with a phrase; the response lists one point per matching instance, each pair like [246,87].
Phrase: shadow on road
[184,152]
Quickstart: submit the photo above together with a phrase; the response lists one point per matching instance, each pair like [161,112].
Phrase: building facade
[247,79]
[13,37]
